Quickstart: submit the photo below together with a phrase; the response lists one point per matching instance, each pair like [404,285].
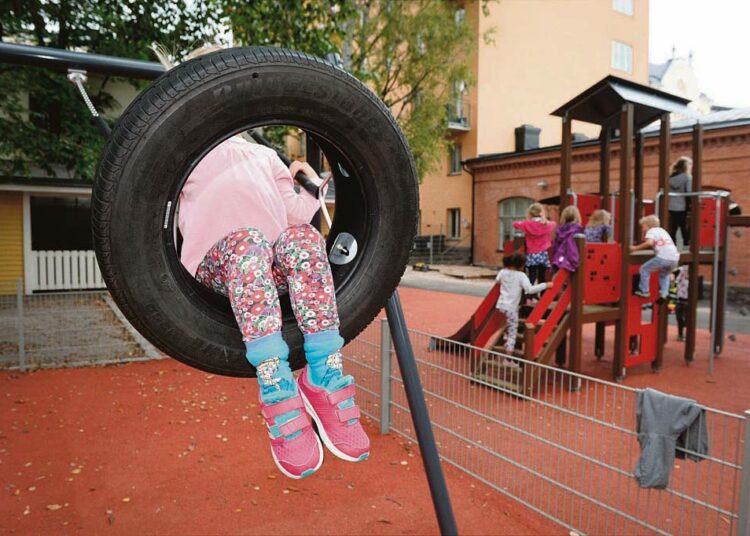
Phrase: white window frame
[623,6]
[454,223]
[509,210]
[454,159]
[622,56]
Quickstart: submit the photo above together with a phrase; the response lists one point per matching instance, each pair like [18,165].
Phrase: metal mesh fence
[568,451]
[66,329]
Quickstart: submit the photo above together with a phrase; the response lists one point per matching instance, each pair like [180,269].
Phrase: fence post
[21,335]
[385,376]
[743,526]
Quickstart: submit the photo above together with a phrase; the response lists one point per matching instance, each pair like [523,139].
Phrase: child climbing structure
[600,290]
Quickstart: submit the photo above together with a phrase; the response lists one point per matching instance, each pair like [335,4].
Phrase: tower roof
[601,103]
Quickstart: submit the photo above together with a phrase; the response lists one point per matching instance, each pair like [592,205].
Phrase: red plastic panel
[707,234]
[508,247]
[485,308]
[648,207]
[587,204]
[642,326]
[602,273]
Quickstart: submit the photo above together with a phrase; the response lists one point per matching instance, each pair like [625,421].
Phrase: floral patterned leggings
[249,270]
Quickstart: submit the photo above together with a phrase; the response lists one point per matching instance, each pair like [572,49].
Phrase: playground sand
[158,448]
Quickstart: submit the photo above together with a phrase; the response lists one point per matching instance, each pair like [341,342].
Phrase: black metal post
[420,416]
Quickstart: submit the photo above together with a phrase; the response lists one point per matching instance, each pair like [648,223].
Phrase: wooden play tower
[600,290]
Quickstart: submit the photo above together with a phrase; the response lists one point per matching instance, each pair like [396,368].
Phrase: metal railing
[66,329]
[568,452]
[458,115]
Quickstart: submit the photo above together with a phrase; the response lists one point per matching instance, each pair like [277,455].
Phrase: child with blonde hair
[664,261]
[537,230]
[564,248]
[598,228]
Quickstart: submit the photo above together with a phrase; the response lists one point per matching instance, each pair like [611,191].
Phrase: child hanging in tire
[513,282]
[246,235]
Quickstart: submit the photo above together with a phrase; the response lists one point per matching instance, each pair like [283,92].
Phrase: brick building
[506,183]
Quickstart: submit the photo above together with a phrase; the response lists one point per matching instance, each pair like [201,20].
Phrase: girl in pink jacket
[538,231]
[246,234]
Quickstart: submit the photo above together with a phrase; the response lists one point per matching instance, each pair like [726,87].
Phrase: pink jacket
[537,234]
[238,184]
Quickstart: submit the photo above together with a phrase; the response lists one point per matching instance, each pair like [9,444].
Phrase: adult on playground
[680,181]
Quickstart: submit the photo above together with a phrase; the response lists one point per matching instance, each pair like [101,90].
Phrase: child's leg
[645,271]
[665,270]
[511,329]
[300,255]
[681,315]
[239,266]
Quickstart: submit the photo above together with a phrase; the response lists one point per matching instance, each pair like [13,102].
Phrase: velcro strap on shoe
[285,406]
[348,414]
[295,425]
[339,396]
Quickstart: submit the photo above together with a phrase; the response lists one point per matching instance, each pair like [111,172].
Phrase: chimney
[527,138]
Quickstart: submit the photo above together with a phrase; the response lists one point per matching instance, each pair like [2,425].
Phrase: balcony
[458,116]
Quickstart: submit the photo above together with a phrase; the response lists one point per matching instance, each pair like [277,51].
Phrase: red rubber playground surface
[160,448]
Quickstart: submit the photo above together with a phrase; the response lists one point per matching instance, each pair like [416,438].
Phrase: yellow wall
[11,241]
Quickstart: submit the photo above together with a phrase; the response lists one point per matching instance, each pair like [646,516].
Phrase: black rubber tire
[187,112]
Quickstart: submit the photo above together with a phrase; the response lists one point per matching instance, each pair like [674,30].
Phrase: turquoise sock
[270,356]
[318,347]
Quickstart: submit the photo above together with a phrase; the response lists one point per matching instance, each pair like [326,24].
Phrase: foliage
[59,132]
[411,54]
[311,26]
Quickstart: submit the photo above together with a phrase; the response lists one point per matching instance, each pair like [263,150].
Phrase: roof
[600,104]
[45,181]
[723,119]
[656,71]
[730,117]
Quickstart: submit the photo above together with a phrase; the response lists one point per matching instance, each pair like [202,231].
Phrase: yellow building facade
[542,53]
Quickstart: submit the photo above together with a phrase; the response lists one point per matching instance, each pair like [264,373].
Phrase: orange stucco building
[541,53]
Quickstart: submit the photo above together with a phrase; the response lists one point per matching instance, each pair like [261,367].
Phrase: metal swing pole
[420,416]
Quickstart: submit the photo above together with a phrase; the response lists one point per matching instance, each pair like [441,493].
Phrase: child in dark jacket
[564,249]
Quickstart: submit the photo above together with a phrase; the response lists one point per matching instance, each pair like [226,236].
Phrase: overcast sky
[718,33]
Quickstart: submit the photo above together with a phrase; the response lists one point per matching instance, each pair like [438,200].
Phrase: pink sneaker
[339,428]
[294,446]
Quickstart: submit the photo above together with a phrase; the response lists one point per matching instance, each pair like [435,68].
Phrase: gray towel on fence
[665,423]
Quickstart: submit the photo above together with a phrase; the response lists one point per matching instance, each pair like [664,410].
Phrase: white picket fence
[63,270]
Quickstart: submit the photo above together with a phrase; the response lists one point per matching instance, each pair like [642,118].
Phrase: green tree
[41,116]
[411,54]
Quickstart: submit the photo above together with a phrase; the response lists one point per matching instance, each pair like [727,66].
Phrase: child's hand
[550,284]
[305,168]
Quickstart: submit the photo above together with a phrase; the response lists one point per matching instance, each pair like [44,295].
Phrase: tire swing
[181,117]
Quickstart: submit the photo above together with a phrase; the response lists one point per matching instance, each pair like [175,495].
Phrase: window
[60,223]
[454,223]
[623,6]
[460,16]
[622,56]
[510,210]
[454,159]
